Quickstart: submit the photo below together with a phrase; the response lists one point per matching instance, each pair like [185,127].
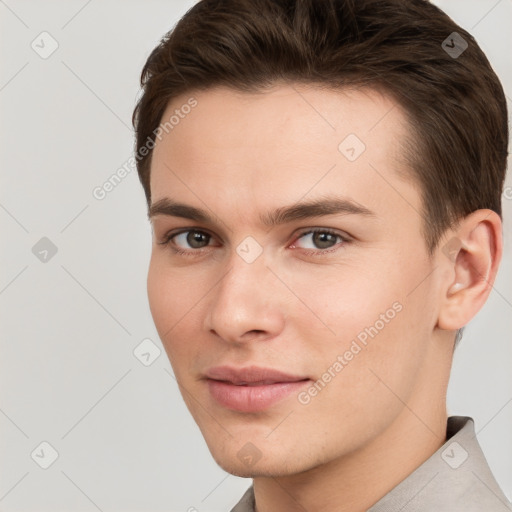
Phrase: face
[287,250]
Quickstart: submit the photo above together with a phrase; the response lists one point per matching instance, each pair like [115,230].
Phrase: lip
[251,389]
[251,375]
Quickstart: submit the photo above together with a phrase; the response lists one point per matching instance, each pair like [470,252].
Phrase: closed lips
[261,383]
[251,389]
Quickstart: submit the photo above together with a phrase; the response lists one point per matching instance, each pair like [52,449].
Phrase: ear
[470,257]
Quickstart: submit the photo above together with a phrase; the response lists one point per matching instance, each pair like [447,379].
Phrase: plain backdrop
[73,276]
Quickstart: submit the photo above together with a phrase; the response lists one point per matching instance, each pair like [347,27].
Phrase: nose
[245,305]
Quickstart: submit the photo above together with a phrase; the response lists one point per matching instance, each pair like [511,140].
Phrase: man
[323,179]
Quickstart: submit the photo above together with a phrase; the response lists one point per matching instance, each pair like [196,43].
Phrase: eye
[195,239]
[187,240]
[319,239]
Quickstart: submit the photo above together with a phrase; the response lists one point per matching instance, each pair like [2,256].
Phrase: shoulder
[246,503]
[455,478]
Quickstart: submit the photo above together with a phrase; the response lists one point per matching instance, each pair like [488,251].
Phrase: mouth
[258,383]
[251,389]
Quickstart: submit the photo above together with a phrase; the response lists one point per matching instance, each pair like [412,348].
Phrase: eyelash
[167,241]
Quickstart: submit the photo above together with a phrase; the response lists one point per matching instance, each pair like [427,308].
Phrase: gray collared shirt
[456,478]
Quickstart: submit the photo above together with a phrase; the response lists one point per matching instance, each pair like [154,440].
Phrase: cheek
[171,302]
[342,300]
[369,314]
[172,291]
[160,296]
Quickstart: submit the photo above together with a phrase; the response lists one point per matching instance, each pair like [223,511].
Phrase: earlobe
[471,269]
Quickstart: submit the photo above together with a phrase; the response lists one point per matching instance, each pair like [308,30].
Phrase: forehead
[246,150]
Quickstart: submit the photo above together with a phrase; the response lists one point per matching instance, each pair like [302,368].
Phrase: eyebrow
[299,211]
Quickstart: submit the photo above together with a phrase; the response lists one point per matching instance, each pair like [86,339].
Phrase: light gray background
[69,377]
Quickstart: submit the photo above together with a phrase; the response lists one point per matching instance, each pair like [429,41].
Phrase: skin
[297,307]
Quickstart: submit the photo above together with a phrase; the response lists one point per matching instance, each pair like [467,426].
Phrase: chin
[260,469]
[249,462]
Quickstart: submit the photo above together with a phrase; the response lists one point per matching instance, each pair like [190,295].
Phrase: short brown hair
[455,103]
